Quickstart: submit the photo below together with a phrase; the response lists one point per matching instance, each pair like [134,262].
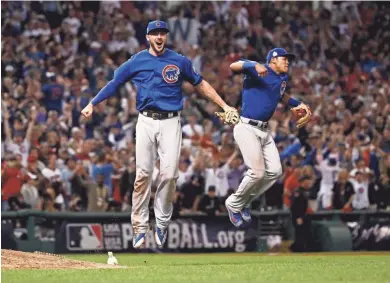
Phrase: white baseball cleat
[138,240]
[160,236]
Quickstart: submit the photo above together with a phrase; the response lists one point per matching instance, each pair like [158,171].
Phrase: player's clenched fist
[261,70]
[88,110]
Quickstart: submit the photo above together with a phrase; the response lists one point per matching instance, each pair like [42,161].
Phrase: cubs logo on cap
[279,52]
[157,25]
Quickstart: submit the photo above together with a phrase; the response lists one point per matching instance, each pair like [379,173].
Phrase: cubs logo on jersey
[283,88]
[171,73]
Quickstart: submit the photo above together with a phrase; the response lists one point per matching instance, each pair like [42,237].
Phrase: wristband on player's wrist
[248,65]
[293,102]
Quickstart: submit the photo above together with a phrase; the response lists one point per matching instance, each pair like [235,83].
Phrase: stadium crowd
[57,55]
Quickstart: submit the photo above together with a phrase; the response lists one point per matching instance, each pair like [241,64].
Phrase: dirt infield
[21,260]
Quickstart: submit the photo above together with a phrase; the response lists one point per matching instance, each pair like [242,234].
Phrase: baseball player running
[263,88]
[158,73]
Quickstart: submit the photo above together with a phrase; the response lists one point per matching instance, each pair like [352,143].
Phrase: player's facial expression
[282,64]
[157,40]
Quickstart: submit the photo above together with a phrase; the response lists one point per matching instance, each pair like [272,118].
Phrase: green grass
[224,268]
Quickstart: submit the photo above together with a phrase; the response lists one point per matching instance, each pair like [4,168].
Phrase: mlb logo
[84,237]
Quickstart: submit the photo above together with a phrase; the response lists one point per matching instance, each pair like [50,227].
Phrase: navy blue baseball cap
[157,25]
[279,52]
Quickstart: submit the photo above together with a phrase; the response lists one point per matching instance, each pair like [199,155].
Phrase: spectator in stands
[191,193]
[343,192]
[103,167]
[11,179]
[301,223]
[30,192]
[210,203]
[329,169]
[98,195]
[217,174]
[382,192]
[57,55]
[360,186]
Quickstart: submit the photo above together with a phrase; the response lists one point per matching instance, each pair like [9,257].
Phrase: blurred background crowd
[57,55]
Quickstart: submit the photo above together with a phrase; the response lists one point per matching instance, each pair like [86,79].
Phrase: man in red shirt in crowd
[11,179]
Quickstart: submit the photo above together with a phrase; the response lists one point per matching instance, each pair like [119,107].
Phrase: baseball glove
[230,116]
[303,113]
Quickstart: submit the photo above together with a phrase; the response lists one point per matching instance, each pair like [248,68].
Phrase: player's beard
[158,49]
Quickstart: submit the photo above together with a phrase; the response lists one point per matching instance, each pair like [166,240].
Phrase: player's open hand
[261,70]
[88,110]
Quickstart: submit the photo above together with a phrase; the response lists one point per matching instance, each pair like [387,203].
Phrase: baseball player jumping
[158,73]
[263,88]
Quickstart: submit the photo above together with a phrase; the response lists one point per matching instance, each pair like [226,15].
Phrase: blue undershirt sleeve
[249,68]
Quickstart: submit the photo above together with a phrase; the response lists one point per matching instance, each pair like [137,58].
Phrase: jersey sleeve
[189,73]
[121,76]
[251,72]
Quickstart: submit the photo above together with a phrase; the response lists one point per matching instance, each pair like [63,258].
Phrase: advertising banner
[373,236]
[195,234]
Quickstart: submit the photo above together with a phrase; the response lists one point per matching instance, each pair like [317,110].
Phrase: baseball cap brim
[290,56]
[163,29]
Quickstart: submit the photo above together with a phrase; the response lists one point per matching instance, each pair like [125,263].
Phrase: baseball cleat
[235,218]
[246,215]
[160,236]
[138,240]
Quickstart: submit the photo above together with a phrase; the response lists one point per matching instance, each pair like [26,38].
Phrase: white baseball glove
[230,116]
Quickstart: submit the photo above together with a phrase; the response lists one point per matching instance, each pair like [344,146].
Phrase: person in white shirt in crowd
[20,143]
[329,169]
[360,166]
[29,191]
[185,172]
[51,172]
[217,175]
[73,21]
[360,186]
[192,129]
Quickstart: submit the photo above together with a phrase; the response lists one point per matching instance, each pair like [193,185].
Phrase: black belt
[157,115]
[263,125]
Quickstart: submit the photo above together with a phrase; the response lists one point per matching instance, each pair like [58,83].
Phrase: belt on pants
[157,115]
[258,124]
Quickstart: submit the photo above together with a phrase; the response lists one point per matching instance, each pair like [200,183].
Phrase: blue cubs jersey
[54,94]
[261,95]
[158,79]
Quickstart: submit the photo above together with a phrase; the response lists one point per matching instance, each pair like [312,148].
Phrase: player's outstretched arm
[230,115]
[249,67]
[121,75]
[205,89]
